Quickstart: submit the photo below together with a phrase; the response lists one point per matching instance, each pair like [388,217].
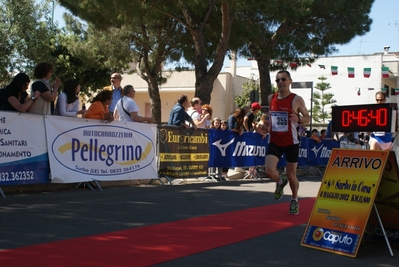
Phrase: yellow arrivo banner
[345,200]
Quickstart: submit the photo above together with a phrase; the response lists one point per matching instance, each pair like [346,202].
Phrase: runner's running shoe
[294,207]
[280,188]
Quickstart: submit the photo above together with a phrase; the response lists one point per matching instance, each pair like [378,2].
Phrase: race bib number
[279,121]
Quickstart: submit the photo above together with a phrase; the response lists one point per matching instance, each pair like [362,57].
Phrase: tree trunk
[204,77]
[264,80]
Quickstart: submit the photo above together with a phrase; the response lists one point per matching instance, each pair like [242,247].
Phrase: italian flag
[351,72]
[366,72]
[384,72]
[334,70]
[396,91]
[322,66]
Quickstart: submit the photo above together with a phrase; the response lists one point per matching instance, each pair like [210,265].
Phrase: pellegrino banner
[23,149]
[82,150]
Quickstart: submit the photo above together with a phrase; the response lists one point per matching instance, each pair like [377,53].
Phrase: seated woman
[68,101]
[15,98]
[99,107]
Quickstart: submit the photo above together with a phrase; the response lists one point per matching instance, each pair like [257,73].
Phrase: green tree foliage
[321,101]
[249,86]
[297,29]
[146,37]
[26,36]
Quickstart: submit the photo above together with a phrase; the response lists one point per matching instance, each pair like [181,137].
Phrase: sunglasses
[380,100]
[282,79]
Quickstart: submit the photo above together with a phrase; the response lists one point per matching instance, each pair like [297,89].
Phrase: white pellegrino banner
[23,150]
[83,149]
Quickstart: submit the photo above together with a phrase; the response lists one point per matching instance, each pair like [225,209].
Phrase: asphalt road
[29,218]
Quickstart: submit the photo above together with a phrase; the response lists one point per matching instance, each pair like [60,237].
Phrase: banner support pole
[383,230]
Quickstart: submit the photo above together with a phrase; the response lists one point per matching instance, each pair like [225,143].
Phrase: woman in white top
[68,101]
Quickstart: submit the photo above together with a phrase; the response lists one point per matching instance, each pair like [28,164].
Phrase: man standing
[195,113]
[127,109]
[178,116]
[380,140]
[116,89]
[250,117]
[286,111]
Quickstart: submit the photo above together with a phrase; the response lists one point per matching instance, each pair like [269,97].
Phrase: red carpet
[161,242]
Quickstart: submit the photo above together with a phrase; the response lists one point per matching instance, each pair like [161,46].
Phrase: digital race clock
[365,118]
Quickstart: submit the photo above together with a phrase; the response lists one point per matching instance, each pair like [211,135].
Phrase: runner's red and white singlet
[283,132]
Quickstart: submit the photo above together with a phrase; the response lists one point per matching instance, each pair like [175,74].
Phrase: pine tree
[321,101]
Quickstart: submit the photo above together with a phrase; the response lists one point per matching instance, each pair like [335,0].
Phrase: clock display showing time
[365,118]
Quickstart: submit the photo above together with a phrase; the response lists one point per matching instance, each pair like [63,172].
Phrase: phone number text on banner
[23,150]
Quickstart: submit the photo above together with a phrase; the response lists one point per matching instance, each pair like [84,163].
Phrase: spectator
[249,119]
[235,122]
[127,109]
[68,101]
[315,135]
[116,89]
[223,125]
[14,97]
[380,140]
[195,113]
[261,129]
[216,124]
[99,107]
[323,134]
[206,109]
[44,104]
[344,138]
[178,116]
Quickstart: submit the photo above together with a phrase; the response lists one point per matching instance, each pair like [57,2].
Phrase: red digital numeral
[382,117]
[345,120]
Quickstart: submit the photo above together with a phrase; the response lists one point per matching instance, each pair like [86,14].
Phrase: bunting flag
[250,58]
[351,72]
[358,91]
[384,72]
[396,91]
[384,89]
[322,67]
[293,64]
[334,70]
[366,72]
[310,65]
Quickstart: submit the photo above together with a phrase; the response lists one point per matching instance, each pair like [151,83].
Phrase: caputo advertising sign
[81,150]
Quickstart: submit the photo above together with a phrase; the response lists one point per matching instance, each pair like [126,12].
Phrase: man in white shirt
[127,109]
[195,113]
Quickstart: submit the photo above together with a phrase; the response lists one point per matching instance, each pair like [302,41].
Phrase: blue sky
[384,31]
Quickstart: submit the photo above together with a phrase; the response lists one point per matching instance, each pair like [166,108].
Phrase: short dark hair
[127,88]
[42,69]
[182,99]
[284,71]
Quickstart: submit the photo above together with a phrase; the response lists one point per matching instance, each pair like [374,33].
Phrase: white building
[347,91]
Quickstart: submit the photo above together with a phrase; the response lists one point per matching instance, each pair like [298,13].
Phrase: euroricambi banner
[85,149]
[23,150]
[183,152]
[345,200]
